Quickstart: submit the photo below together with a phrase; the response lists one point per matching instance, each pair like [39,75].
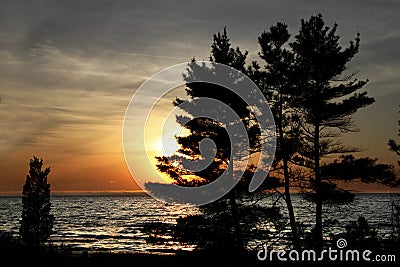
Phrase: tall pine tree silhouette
[327,101]
[276,83]
[37,222]
[229,207]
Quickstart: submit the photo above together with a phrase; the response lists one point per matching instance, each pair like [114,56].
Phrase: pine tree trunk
[288,198]
[289,205]
[318,207]
[235,216]
[236,224]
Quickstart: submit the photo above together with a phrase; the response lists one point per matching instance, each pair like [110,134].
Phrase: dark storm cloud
[88,26]
[175,28]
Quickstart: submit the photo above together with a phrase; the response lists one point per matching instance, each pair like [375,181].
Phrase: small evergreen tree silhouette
[36,222]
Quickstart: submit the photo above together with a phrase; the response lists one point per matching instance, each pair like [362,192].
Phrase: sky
[68,70]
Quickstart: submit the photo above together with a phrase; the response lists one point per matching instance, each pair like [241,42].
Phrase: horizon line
[78,192]
[140,192]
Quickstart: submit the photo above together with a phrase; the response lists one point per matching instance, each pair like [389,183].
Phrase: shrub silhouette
[37,222]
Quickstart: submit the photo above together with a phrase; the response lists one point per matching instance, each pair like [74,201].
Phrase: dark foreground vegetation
[15,253]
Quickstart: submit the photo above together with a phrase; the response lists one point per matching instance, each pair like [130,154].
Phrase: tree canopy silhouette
[327,99]
[36,222]
[226,212]
[276,82]
[313,99]
[394,146]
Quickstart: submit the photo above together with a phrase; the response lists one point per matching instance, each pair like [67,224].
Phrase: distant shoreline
[83,193]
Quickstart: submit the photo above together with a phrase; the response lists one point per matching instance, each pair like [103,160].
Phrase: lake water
[114,222]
